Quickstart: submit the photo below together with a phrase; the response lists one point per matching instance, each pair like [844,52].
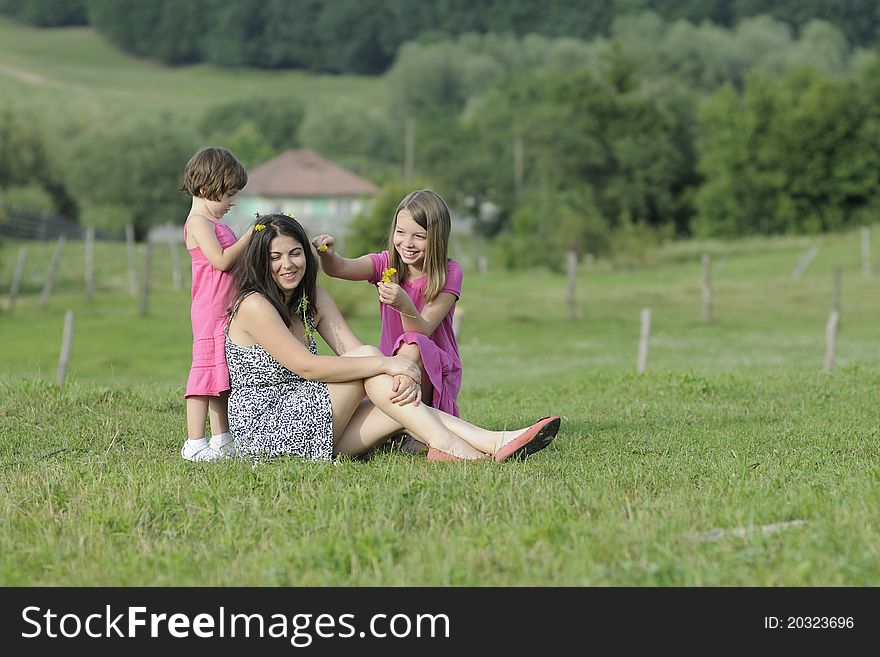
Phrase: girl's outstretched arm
[333,264]
[202,232]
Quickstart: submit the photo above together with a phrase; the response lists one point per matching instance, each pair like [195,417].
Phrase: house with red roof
[323,196]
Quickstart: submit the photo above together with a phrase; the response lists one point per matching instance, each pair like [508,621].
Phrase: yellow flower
[387,274]
[322,248]
[288,214]
[259,226]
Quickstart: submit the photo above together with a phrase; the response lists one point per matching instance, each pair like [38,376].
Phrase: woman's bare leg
[368,419]
[357,429]
[367,428]
[483,439]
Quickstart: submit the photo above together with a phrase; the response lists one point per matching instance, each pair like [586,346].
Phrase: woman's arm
[332,325]
[260,322]
[202,231]
[333,264]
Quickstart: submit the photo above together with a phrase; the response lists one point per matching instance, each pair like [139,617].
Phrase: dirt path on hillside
[24,76]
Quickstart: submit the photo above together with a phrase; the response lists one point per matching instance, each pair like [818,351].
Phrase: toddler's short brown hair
[213,172]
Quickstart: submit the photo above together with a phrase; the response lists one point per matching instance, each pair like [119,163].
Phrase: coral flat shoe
[438,455]
[435,454]
[532,440]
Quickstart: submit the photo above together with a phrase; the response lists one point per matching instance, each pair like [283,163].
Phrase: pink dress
[211,290]
[440,349]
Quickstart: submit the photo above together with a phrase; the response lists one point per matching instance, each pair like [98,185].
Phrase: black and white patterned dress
[276,412]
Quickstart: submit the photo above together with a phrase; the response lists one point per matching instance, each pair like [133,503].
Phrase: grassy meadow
[735,459]
[74,74]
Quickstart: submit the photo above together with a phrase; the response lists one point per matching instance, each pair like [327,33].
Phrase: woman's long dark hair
[253,271]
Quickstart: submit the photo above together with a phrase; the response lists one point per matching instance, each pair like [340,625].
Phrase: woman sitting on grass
[288,400]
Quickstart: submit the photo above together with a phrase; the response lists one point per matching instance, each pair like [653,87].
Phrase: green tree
[345,129]
[857,19]
[27,160]
[548,223]
[276,120]
[46,13]
[796,157]
[368,232]
[352,31]
[631,146]
[135,167]
[249,146]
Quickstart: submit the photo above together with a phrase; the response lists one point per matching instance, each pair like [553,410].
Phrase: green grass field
[70,72]
[733,460]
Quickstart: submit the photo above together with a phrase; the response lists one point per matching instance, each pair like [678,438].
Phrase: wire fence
[28,224]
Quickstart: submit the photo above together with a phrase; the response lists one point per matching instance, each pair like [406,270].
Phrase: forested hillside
[656,128]
[363,36]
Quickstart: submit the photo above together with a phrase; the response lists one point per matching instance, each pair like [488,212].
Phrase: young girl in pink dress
[416,310]
[212,177]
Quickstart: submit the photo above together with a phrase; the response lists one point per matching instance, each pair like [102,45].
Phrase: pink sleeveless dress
[211,291]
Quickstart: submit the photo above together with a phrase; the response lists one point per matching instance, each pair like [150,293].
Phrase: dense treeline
[363,36]
[46,13]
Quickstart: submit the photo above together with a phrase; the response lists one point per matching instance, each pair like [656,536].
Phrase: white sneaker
[223,450]
[199,453]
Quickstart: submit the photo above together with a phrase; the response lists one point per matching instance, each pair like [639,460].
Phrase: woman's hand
[403,366]
[391,294]
[324,245]
[406,391]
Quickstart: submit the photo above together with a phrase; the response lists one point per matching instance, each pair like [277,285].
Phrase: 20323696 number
[809,622]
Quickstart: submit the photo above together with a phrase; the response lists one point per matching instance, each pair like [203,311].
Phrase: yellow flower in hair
[259,226]
[387,274]
[288,214]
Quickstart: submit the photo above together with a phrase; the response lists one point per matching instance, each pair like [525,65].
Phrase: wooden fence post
[90,262]
[132,264]
[707,288]
[805,260]
[831,339]
[175,264]
[572,277]
[409,149]
[53,271]
[866,252]
[644,336]
[145,286]
[66,342]
[16,277]
[835,294]
[518,168]
[456,321]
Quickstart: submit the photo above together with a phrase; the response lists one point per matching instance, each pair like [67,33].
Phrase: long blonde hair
[430,212]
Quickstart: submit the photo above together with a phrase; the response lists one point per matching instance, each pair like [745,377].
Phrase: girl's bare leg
[196,415]
[217,413]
